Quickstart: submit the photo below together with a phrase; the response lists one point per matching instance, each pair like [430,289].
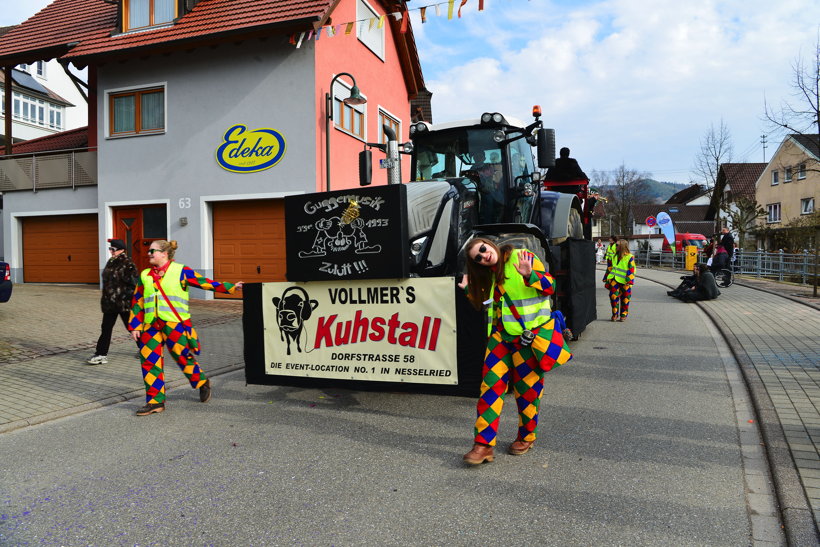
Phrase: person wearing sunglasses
[119,277]
[160,317]
[523,342]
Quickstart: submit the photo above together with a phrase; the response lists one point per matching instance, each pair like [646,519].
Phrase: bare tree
[742,218]
[715,148]
[623,188]
[802,115]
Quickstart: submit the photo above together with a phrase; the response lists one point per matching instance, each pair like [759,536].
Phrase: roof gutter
[34,55]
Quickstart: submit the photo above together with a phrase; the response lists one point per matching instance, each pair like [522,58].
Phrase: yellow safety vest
[620,270]
[610,252]
[155,303]
[533,307]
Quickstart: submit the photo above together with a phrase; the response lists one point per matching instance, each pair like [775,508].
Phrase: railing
[793,267]
[60,169]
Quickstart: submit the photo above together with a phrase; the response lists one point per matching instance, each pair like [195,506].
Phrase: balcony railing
[54,169]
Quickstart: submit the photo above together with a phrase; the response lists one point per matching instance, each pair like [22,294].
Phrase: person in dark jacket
[119,278]
[705,286]
[727,240]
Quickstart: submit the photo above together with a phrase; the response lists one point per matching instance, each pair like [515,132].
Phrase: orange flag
[461,6]
[404,21]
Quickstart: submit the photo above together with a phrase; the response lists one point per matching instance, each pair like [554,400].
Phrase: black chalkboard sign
[347,234]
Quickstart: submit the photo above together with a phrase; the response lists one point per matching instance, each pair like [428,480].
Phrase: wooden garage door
[61,249]
[249,240]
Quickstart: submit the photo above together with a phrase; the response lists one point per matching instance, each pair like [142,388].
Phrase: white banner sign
[377,330]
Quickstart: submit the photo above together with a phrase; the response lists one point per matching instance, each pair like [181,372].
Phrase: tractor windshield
[452,153]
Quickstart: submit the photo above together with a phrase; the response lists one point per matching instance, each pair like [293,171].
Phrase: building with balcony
[204,115]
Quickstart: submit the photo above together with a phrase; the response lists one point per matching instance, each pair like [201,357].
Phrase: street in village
[647,437]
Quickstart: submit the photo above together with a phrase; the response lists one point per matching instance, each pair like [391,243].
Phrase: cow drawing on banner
[293,308]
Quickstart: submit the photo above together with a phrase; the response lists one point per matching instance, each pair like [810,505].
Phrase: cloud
[622,80]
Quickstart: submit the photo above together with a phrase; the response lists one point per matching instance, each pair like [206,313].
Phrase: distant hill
[661,191]
[658,192]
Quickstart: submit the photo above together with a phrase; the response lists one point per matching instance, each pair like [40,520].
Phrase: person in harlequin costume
[619,280]
[523,342]
[159,317]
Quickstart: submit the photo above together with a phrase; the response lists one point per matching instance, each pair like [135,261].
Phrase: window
[774,212]
[801,171]
[41,69]
[806,206]
[787,177]
[136,112]
[23,67]
[368,30]
[147,13]
[775,178]
[33,110]
[349,118]
[391,122]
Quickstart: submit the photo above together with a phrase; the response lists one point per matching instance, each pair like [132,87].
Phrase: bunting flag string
[400,16]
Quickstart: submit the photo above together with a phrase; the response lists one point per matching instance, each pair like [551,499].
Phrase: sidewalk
[774,332]
[48,331]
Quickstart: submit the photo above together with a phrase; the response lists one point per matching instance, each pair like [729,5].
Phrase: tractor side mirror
[365,167]
[546,147]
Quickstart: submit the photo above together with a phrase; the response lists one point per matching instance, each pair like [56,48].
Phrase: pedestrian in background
[610,250]
[119,277]
[619,280]
[727,239]
[523,342]
[600,249]
[160,317]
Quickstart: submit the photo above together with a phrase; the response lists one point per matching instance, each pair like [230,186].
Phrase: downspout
[7,103]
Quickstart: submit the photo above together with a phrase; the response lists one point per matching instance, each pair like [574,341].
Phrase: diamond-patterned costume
[507,360]
[179,337]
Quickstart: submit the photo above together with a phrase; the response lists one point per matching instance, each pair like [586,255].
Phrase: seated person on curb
[687,282]
[705,286]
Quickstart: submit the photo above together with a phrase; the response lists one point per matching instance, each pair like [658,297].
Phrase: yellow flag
[450,6]
[349,28]
[381,22]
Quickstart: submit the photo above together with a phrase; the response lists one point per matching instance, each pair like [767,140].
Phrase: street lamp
[354,99]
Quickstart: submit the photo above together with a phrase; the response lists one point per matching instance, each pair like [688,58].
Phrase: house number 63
[184,203]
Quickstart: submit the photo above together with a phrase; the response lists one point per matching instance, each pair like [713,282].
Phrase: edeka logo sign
[244,151]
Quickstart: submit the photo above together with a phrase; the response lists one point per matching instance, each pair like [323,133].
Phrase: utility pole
[763,142]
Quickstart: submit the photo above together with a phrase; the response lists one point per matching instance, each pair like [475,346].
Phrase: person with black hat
[119,278]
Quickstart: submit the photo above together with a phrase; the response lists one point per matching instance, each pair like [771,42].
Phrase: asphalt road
[639,445]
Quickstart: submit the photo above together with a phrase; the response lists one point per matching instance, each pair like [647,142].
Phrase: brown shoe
[520,447]
[479,454]
[151,408]
[205,391]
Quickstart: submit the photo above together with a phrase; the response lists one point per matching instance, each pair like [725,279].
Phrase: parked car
[683,240]
[5,282]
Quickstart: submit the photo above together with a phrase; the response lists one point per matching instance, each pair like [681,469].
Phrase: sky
[636,83]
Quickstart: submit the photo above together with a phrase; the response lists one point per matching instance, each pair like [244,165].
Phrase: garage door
[249,240]
[61,249]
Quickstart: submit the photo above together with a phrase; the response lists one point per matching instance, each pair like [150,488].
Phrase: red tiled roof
[67,140]
[687,194]
[740,177]
[92,22]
